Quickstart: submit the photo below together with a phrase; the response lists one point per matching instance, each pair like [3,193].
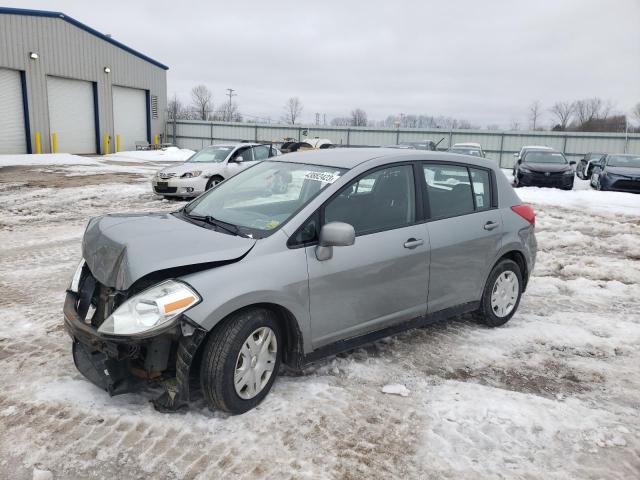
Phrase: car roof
[467,144]
[539,147]
[349,158]
[236,144]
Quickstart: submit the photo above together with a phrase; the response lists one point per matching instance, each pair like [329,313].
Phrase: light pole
[230,94]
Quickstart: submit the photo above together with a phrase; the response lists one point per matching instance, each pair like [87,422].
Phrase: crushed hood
[120,249]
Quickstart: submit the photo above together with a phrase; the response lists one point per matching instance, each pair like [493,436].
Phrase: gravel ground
[554,394]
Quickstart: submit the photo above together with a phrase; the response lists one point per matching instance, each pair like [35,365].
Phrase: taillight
[526,212]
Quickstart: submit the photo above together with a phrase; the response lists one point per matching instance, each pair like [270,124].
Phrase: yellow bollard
[38,144]
[155,140]
[106,144]
[54,143]
[117,143]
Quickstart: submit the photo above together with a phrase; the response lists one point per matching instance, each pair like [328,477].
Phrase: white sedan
[208,167]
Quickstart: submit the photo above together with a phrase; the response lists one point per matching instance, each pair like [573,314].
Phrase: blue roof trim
[86,28]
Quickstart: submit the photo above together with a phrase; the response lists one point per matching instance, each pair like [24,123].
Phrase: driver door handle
[490,225]
[413,243]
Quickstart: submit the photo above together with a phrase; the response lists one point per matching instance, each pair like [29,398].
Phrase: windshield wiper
[228,227]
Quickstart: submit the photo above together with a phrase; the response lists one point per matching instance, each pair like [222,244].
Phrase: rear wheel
[241,361]
[501,295]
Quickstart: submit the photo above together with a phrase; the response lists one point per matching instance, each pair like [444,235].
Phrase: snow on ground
[554,394]
[45,159]
[169,154]
[606,203]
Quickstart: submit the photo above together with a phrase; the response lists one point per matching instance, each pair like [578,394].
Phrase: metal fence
[500,146]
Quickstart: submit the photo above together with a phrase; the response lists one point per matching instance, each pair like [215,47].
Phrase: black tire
[216,179]
[221,354]
[485,313]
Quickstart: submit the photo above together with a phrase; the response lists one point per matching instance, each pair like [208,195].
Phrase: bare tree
[493,126]
[514,125]
[358,118]
[563,112]
[228,113]
[201,101]
[636,112]
[535,112]
[175,109]
[292,110]
[588,109]
[340,121]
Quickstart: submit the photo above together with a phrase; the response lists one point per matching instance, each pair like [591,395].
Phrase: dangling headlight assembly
[150,310]
[75,280]
[195,173]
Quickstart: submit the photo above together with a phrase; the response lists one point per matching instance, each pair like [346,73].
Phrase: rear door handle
[490,225]
[413,243]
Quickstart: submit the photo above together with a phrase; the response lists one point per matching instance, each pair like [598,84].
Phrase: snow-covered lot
[555,394]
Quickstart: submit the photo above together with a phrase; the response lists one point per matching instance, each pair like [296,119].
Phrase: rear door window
[261,152]
[449,190]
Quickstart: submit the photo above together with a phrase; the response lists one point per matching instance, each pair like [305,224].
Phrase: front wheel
[241,361]
[501,295]
[213,181]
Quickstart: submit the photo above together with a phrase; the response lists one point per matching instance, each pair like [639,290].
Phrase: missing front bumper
[125,364]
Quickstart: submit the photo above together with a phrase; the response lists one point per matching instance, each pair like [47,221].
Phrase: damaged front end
[122,339]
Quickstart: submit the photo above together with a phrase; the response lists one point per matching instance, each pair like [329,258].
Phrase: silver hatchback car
[362,243]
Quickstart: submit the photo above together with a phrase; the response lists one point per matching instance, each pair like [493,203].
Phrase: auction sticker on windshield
[325,177]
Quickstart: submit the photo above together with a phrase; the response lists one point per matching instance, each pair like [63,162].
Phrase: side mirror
[572,162]
[334,234]
[515,155]
[237,159]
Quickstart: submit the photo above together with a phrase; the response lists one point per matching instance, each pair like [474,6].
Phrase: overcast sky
[484,61]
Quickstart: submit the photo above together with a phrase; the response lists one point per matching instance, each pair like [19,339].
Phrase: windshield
[545,157]
[629,161]
[212,154]
[262,197]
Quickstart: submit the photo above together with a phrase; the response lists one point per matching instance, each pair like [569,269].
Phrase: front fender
[278,278]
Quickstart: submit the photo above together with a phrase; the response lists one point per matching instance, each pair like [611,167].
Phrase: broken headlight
[150,310]
[195,173]
[75,280]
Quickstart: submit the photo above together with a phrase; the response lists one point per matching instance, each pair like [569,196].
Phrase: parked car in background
[242,279]
[307,144]
[474,149]
[208,167]
[544,168]
[524,150]
[617,172]
[424,144]
[315,143]
[584,169]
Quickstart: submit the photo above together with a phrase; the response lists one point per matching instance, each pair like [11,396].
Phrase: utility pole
[230,94]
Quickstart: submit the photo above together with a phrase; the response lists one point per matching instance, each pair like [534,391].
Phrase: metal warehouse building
[66,87]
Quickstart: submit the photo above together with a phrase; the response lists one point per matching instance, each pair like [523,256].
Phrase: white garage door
[12,134]
[72,114]
[129,116]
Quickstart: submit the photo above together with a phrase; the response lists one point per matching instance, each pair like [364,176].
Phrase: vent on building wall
[154,106]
